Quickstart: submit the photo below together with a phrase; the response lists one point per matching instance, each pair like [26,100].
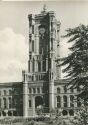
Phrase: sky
[14,28]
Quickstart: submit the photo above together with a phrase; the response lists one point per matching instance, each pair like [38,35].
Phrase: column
[33,105]
[51,95]
[25,99]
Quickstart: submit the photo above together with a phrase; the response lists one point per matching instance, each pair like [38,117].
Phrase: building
[41,86]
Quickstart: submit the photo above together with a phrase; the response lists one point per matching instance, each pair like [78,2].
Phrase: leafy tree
[76,63]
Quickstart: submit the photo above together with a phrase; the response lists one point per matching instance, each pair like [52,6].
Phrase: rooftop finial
[44,8]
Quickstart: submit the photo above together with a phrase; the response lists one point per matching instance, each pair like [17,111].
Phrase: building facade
[41,86]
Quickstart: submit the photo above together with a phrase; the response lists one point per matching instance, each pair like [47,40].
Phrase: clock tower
[38,81]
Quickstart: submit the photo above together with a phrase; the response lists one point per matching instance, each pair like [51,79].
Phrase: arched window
[71,101]
[65,89]
[33,65]
[38,90]
[30,90]
[4,103]
[58,101]
[65,101]
[10,102]
[34,90]
[58,90]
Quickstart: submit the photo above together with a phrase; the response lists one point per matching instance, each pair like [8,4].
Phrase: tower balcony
[34,76]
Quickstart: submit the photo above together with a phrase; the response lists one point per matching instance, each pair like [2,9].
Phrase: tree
[76,63]
[81,117]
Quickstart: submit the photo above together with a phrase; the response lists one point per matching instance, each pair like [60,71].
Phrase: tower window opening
[0,102]
[65,100]
[32,29]
[38,90]
[30,104]
[30,90]
[71,90]
[29,66]
[33,65]
[44,65]
[32,78]
[71,101]
[32,45]
[4,103]
[34,90]
[78,102]
[10,103]
[58,90]
[39,66]
[65,89]
[58,101]
[4,92]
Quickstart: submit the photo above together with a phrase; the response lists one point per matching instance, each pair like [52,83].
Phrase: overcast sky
[14,32]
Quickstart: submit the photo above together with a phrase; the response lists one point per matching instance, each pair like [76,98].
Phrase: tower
[38,82]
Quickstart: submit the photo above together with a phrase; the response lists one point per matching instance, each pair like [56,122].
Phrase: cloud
[13,55]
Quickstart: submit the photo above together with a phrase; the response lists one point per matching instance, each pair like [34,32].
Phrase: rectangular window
[44,65]
[4,92]
[39,66]
[32,29]
[30,90]
[0,102]
[29,103]
[29,66]
[4,103]
[10,103]
[33,45]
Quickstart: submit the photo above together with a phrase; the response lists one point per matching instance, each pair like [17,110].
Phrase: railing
[37,76]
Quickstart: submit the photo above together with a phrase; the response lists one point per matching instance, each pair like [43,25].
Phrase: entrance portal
[38,101]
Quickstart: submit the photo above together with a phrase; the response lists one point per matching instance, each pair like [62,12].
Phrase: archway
[38,101]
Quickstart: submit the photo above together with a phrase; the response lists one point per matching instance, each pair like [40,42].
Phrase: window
[71,90]
[30,90]
[65,89]
[65,101]
[33,45]
[58,90]
[71,101]
[78,102]
[0,102]
[29,66]
[34,90]
[38,90]
[32,29]
[10,92]
[4,103]
[39,66]
[58,101]
[44,65]
[33,65]
[10,103]
[32,78]
[29,103]
[4,92]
